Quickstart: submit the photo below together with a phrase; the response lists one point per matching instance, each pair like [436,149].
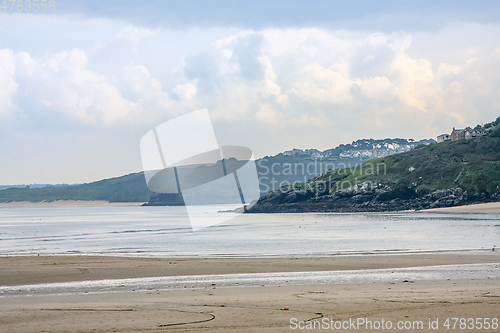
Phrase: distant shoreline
[67,203]
[481,208]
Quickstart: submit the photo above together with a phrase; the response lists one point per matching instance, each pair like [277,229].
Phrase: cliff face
[438,175]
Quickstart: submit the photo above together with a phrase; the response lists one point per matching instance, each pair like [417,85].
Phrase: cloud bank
[270,89]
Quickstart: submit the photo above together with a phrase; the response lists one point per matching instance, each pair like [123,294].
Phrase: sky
[80,85]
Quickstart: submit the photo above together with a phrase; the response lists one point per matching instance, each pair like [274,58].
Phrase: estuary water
[166,232]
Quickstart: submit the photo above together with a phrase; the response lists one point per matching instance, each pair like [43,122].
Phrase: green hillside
[273,171]
[128,188]
[443,174]
[472,165]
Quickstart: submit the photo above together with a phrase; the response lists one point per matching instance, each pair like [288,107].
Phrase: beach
[484,208]
[129,269]
[240,309]
[260,309]
[18,270]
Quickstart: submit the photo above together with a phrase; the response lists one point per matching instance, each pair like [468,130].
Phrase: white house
[443,138]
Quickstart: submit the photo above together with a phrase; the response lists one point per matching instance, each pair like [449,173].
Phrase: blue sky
[372,14]
[81,85]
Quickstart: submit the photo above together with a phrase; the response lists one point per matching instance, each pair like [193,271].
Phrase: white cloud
[377,88]
[8,84]
[273,75]
[315,84]
[185,91]
[354,76]
[307,119]
[414,80]
[135,34]
[271,87]
[267,114]
[63,84]
[138,86]
[445,69]
[302,87]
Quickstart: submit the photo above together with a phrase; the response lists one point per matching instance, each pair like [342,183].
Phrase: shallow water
[455,272]
[166,232]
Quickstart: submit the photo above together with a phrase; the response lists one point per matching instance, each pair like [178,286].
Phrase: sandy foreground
[260,309]
[250,309]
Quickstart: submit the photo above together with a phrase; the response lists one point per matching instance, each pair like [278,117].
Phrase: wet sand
[250,309]
[45,269]
[259,309]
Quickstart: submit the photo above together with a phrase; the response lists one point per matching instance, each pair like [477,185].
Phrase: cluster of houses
[364,148]
[458,134]
[307,152]
[381,152]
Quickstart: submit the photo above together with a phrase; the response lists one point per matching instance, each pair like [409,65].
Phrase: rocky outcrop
[362,198]
[165,199]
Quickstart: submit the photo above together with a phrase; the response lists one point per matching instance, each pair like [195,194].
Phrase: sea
[166,232]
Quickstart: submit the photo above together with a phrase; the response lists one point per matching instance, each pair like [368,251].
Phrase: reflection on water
[165,231]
